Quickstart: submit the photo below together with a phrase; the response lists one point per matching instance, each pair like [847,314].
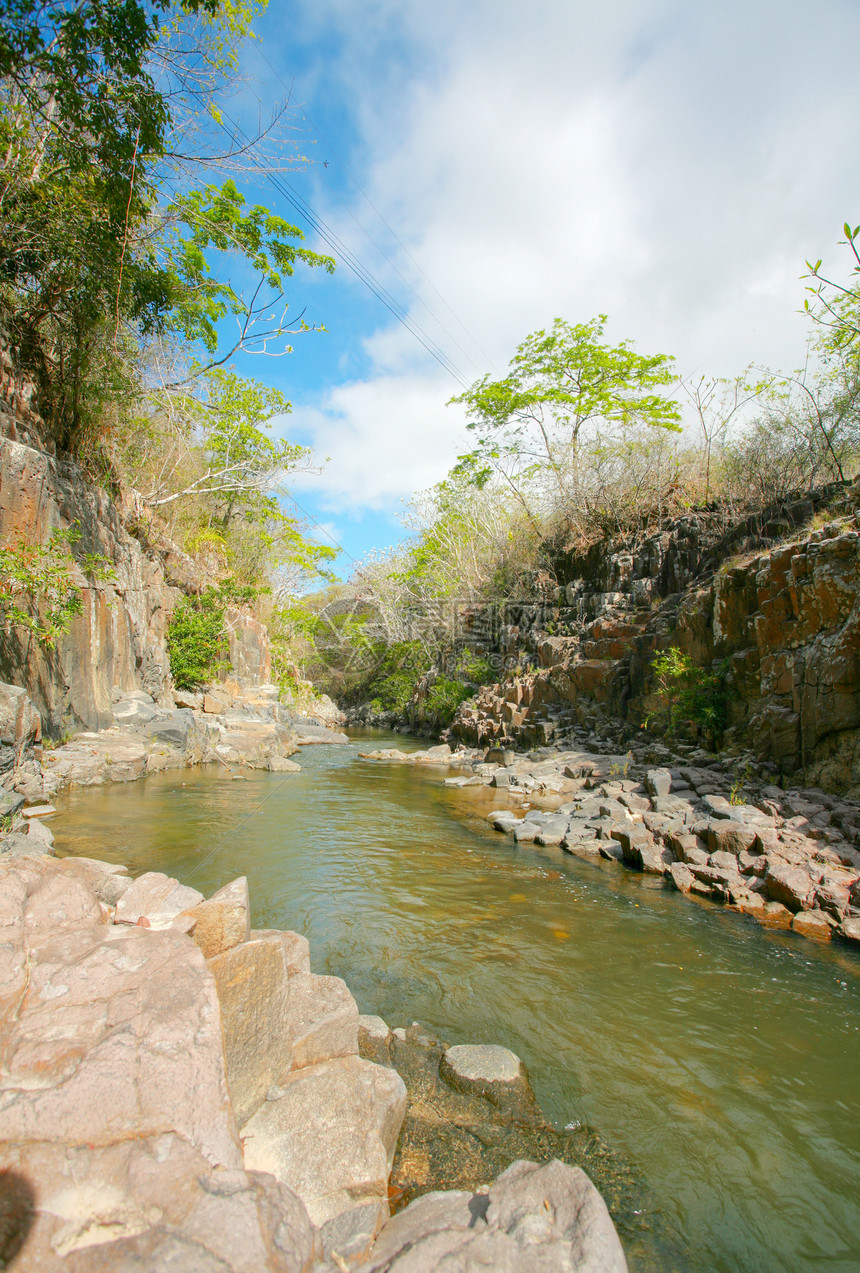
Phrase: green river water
[722,1062]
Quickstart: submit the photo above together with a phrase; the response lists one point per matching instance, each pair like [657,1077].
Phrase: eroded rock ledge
[179,1091]
[235,727]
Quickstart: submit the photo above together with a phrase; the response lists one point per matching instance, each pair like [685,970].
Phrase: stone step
[330,1137]
[323,1019]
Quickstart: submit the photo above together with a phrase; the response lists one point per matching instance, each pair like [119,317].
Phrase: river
[720,1060]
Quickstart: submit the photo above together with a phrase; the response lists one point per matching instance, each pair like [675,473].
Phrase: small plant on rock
[620,769]
[737,792]
[40,584]
[691,695]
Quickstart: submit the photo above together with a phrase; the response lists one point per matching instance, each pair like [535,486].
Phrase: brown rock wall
[117,644]
[783,617]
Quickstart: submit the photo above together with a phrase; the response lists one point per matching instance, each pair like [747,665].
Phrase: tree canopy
[103,244]
[560,382]
[122,230]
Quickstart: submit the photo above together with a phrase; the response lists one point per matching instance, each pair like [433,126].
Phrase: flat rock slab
[483,1063]
[307,735]
[254,995]
[330,1137]
[534,1219]
[490,1071]
[281,765]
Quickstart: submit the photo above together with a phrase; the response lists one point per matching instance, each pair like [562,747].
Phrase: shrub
[691,694]
[444,697]
[475,669]
[393,682]
[196,640]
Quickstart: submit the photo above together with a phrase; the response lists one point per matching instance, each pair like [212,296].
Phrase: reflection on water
[721,1060]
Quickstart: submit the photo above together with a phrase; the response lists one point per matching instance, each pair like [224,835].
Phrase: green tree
[561,382]
[836,307]
[102,245]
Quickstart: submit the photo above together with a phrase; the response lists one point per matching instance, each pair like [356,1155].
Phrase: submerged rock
[456,1136]
[491,1071]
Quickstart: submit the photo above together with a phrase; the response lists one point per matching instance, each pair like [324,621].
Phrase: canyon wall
[117,644]
[773,602]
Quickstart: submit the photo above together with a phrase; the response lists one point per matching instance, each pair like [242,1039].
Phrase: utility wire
[361,271]
[390,230]
[283,490]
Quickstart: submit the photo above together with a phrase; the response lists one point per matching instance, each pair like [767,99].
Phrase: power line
[290,496]
[358,268]
[393,234]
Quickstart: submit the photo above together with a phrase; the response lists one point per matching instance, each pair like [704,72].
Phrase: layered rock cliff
[117,644]
[774,602]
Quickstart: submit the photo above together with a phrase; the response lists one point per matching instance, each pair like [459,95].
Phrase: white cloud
[669,164]
[387,437]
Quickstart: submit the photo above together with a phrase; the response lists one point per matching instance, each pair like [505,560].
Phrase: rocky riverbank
[225,725]
[179,1091]
[768,608]
[788,858]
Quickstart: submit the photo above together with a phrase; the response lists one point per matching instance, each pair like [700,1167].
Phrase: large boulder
[119,1029]
[330,1136]
[157,899]
[135,710]
[491,1071]
[534,1219]
[171,727]
[793,886]
[728,835]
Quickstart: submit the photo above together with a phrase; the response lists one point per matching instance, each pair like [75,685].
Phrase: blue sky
[669,164]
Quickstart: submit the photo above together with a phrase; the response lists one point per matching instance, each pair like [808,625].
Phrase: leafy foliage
[122,236]
[103,246]
[836,308]
[691,694]
[197,641]
[391,686]
[40,585]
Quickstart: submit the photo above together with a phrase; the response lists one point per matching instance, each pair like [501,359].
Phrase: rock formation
[180,1091]
[117,644]
[250,728]
[775,600]
[788,858]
